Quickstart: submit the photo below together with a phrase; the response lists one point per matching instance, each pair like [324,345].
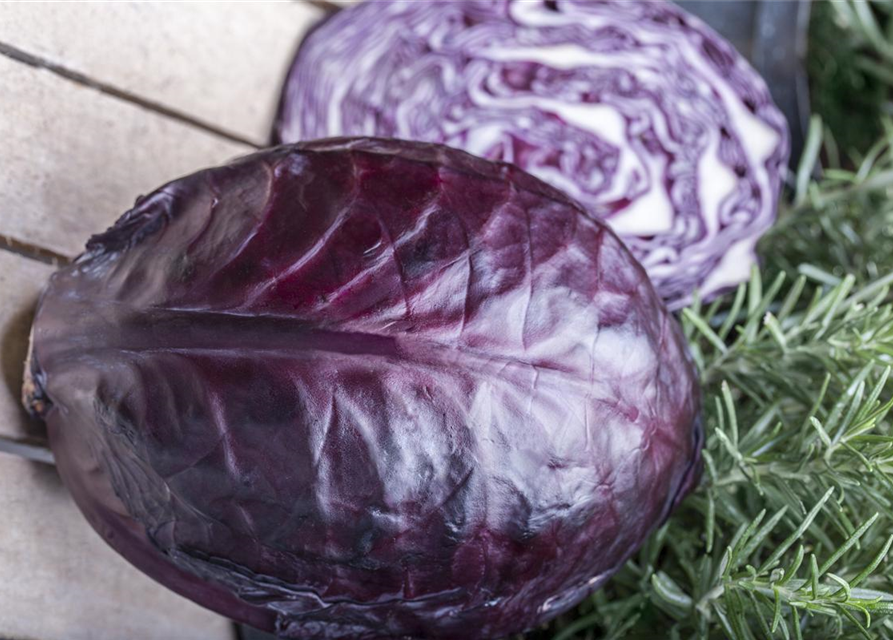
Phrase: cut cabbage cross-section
[636,109]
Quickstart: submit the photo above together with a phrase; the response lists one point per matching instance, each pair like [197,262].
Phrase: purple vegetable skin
[361,388]
[636,109]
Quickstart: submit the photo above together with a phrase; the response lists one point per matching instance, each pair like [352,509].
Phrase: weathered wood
[219,63]
[61,582]
[58,579]
[89,119]
[74,159]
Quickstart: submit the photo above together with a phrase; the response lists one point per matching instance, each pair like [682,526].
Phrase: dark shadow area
[13,352]
[249,633]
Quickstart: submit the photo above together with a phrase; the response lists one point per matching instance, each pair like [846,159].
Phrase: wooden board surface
[100,103]
[61,582]
[219,65]
[58,579]
[75,159]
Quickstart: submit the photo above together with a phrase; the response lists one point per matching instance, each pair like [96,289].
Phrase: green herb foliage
[850,67]
[789,535]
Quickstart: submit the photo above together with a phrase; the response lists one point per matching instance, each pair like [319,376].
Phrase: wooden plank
[74,159]
[61,582]
[220,63]
[59,579]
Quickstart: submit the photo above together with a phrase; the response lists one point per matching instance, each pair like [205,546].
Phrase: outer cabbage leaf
[636,109]
[366,388]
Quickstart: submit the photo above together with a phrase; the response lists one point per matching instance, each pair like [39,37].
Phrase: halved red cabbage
[366,389]
[636,109]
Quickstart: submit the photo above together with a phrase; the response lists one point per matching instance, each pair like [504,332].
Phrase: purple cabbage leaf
[637,110]
[361,388]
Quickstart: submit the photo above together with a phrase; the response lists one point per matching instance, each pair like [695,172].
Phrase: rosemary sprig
[789,534]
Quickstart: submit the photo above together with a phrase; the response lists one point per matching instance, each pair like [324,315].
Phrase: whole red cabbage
[636,109]
[367,388]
